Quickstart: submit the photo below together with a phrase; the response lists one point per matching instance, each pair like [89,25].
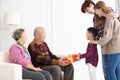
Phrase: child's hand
[78,56]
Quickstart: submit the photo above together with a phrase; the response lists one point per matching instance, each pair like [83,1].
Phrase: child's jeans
[92,71]
[111,66]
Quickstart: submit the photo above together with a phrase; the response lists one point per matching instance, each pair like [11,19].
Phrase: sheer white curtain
[118,6]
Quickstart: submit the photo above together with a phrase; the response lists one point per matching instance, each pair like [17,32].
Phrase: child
[91,54]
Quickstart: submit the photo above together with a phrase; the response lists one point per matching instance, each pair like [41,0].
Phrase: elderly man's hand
[62,62]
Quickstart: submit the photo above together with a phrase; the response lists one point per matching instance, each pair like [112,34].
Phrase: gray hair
[17,34]
[36,30]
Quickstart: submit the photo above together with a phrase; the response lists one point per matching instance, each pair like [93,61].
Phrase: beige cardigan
[110,42]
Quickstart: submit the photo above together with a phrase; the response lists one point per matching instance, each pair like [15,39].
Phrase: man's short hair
[36,30]
[86,4]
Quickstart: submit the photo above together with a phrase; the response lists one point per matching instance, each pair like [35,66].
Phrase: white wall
[65,26]
[70,24]
[118,6]
[33,13]
[0,12]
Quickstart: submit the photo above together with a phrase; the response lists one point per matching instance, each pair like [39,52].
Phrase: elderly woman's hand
[37,69]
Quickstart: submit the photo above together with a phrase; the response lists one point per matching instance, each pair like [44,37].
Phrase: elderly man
[42,57]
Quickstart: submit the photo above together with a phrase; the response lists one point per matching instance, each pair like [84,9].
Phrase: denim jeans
[111,66]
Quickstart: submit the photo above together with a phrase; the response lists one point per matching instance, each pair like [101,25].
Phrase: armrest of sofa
[10,71]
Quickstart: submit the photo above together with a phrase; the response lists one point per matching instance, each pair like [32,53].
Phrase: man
[42,57]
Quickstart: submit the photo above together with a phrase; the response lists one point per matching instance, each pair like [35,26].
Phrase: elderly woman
[20,55]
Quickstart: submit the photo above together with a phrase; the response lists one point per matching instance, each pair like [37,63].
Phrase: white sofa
[9,71]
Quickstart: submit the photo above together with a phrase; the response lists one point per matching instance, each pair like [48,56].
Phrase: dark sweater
[41,54]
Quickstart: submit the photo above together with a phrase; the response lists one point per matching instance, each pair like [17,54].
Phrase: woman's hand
[31,67]
[94,42]
[37,69]
[114,15]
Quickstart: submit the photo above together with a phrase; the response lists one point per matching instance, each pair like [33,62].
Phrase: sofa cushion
[3,56]
[10,71]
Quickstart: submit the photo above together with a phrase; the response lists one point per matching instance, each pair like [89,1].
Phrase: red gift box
[70,59]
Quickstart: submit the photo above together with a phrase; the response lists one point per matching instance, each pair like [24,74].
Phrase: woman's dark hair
[86,4]
[17,34]
[93,31]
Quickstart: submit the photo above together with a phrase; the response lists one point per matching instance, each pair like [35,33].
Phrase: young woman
[20,55]
[88,7]
[110,42]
